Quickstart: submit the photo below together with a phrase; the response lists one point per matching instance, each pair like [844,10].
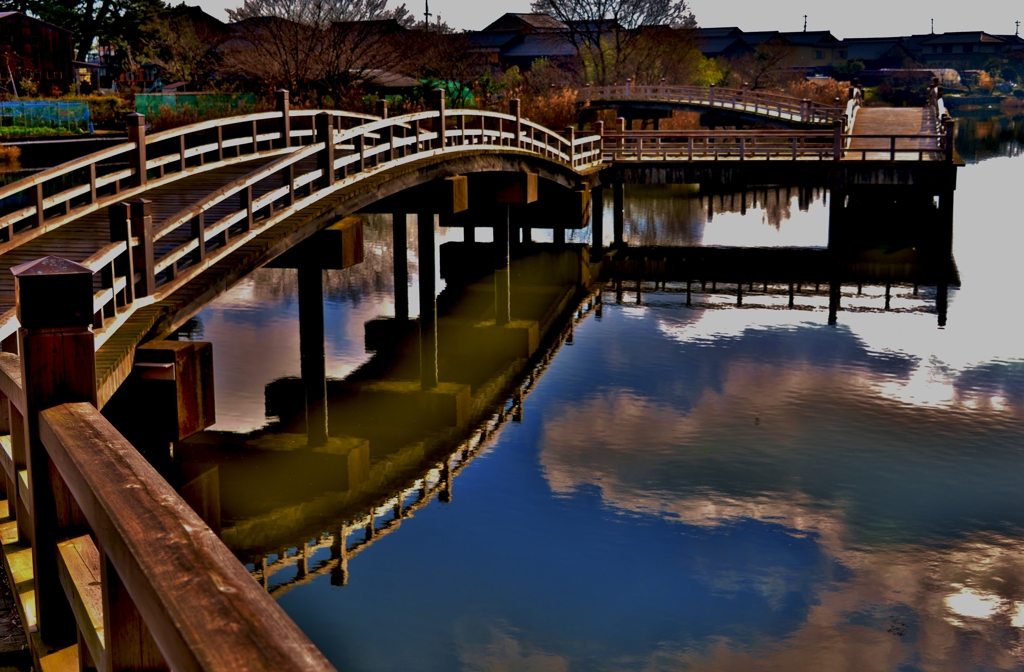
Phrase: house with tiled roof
[965,50]
[526,23]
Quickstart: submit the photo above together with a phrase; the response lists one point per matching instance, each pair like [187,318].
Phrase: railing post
[437,104]
[245,203]
[949,126]
[570,136]
[837,139]
[141,217]
[126,638]
[600,143]
[137,157]
[381,108]
[325,157]
[515,109]
[629,86]
[360,142]
[805,110]
[711,96]
[284,106]
[121,231]
[58,365]
[620,124]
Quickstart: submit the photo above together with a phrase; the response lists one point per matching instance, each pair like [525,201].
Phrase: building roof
[533,22]
[718,46]
[491,39]
[8,15]
[708,33]
[754,39]
[807,38]
[542,46]
[965,37]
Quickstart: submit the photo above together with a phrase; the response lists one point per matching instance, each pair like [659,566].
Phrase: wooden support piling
[400,250]
[312,355]
[428,301]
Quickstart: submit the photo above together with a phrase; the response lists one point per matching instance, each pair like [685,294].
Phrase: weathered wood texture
[202,608]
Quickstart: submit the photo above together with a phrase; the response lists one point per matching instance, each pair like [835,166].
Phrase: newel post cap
[53,293]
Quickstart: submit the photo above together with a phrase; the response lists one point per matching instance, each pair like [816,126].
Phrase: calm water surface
[703,488]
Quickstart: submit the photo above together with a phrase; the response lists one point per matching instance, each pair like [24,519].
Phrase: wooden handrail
[200,605]
[48,211]
[807,111]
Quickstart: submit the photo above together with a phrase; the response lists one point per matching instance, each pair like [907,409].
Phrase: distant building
[875,53]
[526,24]
[37,51]
[553,47]
[723,47]
[812,49]
[487,46]
[961,50]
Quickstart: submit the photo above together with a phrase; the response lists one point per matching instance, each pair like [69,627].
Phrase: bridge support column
[58,365]
[502,284]
[312,355]
[400,251]
[618,212]
[597,221]
[428,301]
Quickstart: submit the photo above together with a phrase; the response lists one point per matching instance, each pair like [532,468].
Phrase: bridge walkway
[879,131]
[83,237]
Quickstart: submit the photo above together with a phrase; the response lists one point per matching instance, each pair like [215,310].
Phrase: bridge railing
[107,553]
[191,239]
[635,146]
[50,198]
[776,105]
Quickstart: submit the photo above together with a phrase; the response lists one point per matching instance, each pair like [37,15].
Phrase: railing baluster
[247,205]
[199,235]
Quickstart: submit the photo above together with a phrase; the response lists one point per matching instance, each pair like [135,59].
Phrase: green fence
[61,115]
[150,104]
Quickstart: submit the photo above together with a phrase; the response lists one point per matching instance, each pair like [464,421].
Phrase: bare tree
[313,47]
[614,37]
[763,68]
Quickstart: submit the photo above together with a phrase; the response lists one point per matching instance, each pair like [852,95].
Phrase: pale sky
[865,18]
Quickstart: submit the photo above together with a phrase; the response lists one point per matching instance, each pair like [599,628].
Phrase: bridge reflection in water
[347,460]
[394,441]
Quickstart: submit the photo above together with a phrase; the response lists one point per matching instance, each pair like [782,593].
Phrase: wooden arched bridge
[750,105]
[123,246]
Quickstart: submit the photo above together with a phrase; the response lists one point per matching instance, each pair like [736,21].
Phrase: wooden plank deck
[82,237]
[892,121]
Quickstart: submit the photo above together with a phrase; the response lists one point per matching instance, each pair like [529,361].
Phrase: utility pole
[1017,33]
[933,26]
[427,15]
[805,23]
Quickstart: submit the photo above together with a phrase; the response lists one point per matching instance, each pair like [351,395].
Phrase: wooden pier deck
[878,132]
